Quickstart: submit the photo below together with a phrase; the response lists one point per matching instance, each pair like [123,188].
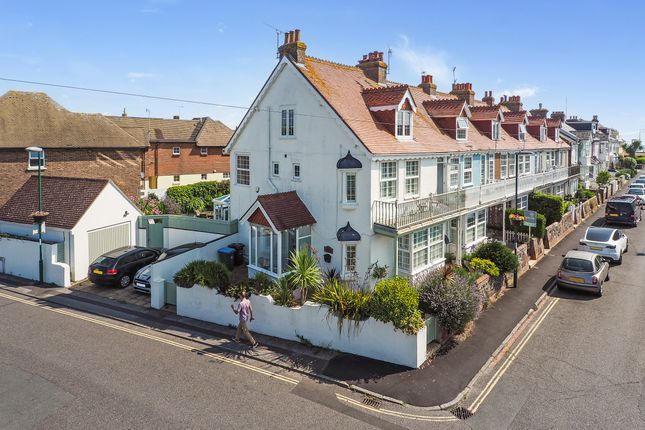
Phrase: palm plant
[304,273]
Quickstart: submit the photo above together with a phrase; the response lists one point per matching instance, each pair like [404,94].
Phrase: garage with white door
[86,218]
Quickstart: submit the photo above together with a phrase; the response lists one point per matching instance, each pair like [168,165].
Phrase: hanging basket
[39,217]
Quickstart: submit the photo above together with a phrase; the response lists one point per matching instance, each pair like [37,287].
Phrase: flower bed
[311,322]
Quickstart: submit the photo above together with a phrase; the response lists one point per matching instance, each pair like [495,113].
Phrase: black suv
[622,211]
[118,267]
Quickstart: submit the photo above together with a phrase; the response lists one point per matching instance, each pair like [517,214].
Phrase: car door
[616,240]
[144,258]
[601,267]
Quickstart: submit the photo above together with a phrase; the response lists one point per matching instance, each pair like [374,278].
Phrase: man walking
[245,311]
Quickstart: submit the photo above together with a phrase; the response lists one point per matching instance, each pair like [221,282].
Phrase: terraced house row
[369,171]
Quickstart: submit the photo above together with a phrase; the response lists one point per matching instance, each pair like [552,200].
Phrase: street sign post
[530,218]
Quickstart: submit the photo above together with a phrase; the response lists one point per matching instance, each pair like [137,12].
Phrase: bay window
[412,178]
[404,253]
[270,250]
[388,180]
[475,226]
[421,249]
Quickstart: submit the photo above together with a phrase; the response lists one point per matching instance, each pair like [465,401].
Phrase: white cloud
[524,92]
[426,60]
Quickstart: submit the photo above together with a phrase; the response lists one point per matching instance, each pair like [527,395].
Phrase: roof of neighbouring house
[34,119]
[285,210]
[580,125]
[481,113]
[384,96]
[66,200]
[201,131]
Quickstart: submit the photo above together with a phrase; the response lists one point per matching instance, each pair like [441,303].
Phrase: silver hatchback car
[584,271]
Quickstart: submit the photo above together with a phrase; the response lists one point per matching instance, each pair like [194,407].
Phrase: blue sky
[583,56]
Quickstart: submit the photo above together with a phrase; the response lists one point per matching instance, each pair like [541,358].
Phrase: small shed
[87,217]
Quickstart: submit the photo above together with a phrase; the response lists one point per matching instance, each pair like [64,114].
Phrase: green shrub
[197,197]
[344,302]
[483,266]
[395,301]
[282,292]
[304,273]
[499,254]
[455,301]
[210,274]
[538,231]
[552,207]
[603,177]
[629,163]
[640,160]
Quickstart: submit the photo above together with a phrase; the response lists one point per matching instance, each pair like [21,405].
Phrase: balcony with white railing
[403,216]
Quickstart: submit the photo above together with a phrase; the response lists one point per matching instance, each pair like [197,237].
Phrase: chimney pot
[297,34]
[373,66]
[293,46]
[175,117]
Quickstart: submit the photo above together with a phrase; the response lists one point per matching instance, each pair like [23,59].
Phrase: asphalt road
[585,365]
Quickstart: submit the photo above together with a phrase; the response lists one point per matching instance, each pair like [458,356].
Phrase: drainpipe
[275,189]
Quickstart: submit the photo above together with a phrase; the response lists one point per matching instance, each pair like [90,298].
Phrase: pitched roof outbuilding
[66,200]
[286,210]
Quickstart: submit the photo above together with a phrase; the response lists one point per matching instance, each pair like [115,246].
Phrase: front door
[171,293]
[155,233]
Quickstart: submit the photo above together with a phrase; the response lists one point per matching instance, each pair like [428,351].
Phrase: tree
[632,148]
[304,272]
[603,177]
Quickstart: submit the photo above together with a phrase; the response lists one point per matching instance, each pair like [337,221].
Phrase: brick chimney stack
[427,86]
[464,92]
[540,112]
[293,47]
[513,103]
[558,115]
[595,118]
[488,98]
[373,67]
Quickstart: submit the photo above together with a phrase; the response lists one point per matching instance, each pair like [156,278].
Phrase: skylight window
[462,128]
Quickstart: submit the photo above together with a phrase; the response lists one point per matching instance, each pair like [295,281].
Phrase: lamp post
[39,216]
[517,204]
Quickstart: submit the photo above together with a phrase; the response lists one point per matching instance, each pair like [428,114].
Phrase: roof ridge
[333,63]
[388,88]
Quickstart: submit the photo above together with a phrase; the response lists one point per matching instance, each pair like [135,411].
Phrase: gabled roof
[485,113]
[515,117]
[553,122]
[285,210]
[201,131]
[537,120]
[34,119]
[581,125]
[444,108]
[66,200]
[384,96]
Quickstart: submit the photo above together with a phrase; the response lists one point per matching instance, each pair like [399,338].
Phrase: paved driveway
[123,295]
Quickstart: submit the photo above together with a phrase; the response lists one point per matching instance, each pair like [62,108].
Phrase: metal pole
[517,204]
[40,222]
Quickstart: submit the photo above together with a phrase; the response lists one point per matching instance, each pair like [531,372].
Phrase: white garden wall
[370,338]
[20,258]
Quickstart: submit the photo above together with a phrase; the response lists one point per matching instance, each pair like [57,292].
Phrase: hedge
[538,231]
[552,207]
[199,196]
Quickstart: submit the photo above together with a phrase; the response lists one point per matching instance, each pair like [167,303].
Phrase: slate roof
[202,131]
[286,210]
[34,119]
[66,200]
[581,125]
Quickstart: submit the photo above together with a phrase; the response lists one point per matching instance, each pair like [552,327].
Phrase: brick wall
[190,160]
[123,167]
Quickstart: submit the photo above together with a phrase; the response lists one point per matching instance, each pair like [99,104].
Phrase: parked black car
[142,277]
[118,267]
[622,211]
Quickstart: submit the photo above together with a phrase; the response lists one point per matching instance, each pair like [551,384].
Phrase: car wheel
[626,246]
[599,293]
[124,281]
[620,260]
[607,277]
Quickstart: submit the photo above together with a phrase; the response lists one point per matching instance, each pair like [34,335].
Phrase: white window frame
[350,197]
[176,150]
[453,173]
[420,253]
[388,182]
[176,179]
[204,176]
[350,248]
[467,171]
[243,172]
[495,130]
[404,258]
[33,156]
[296,171]
[557,134]
[503,166]
[483,164]
[412,178]
[491,168]
[542,133]
[478,227]
[462,126]
[404,124]
[275,169]
[203,151]
[522,133]
[524,165]
[511,165]
[523,202]
[226,175]
[287,121]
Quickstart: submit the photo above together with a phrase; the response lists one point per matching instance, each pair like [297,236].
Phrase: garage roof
[66,200]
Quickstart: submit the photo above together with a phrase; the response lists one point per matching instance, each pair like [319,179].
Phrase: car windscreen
[637,191]
[577,265]
[104,261]
[599,235]
[620,207]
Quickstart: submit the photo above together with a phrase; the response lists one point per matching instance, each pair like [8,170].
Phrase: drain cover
[372,402]
[461,413]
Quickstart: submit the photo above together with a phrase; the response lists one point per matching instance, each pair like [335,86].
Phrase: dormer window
[495,130]
[557,135]
[522,133]
[542,134]
[462,128]
[404,123]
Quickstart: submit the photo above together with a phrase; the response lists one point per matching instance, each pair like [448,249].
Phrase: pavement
[439,382]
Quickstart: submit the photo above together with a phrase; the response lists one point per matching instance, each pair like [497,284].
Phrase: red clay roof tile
[285,210]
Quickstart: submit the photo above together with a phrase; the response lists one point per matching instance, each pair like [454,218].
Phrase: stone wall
[536,248]
[523,257]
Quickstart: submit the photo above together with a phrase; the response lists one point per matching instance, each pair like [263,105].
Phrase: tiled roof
[385,96]
[343,87]
[443,108]
[34,119]
[286,210]
[66,200]
[481,113]
[514,117]
[204,131]
[536,120]
[553,122]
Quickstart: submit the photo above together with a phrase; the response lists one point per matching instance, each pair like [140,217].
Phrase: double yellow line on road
[218,357]
[510,359]
[436,418]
